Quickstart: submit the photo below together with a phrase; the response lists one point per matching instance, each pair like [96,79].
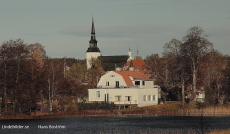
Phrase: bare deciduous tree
[194,48]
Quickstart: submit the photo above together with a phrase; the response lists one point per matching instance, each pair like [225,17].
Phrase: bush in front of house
[96,106]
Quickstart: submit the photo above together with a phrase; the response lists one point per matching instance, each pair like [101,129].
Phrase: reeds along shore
[208,111]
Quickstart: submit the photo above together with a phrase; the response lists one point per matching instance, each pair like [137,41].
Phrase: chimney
[118,69]
[131,68]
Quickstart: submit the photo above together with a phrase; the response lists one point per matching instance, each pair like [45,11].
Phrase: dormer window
[137,83]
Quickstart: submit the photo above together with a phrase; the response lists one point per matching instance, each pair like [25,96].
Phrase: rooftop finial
[92,16]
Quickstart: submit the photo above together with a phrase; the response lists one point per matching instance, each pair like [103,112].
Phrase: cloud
[35,34]
[124,31]
[218,31]
[76,30]
[157,2]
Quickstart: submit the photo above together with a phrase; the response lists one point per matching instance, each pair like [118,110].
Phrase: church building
[108,62]
[93,51]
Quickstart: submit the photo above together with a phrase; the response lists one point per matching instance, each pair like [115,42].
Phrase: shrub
[96,106]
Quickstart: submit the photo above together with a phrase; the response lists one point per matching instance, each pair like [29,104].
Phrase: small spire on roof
[129,53]
[137,54]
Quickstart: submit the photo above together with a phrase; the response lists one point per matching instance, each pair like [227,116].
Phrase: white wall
[112,80]
[93,95]
[146,92]
[149,84]
[90,55]
[135,93]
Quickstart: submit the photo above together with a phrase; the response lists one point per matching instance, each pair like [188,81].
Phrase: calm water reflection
[116,124]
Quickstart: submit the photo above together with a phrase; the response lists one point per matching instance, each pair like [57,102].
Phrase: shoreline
[115,113]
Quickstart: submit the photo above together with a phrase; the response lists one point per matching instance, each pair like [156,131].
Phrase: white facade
[139,96]
[125,88]
[89,56]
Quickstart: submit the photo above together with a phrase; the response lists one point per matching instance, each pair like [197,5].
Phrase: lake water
[137,124]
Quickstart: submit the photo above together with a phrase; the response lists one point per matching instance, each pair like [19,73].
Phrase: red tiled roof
[134,74]
[136,63]
[127,80]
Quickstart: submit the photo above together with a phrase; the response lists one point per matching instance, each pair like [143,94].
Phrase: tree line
[191,65]
[31,81]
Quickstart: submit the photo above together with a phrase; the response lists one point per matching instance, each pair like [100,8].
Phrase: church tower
[93,51]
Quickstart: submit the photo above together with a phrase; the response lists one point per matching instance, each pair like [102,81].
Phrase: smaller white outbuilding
[125,88]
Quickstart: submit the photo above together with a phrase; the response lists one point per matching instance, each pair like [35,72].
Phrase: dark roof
[92,40]
[111,62]
[115,58]
[93,49]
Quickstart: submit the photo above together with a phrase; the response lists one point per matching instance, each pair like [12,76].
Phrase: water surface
[138,124]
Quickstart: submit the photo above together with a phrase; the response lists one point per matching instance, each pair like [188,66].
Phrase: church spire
[93,36]
[93,42]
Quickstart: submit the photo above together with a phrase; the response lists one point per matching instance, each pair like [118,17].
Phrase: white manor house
[125,88]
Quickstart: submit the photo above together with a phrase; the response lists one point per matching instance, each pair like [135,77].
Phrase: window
[144,98]
[117,98]
[127,98]
[112,75]
[117,83]
[149,97]
[98,93]
[107,83]
[153,97]
[137,82]
[143,83]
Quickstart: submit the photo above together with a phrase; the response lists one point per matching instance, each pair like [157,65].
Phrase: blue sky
[63,26]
